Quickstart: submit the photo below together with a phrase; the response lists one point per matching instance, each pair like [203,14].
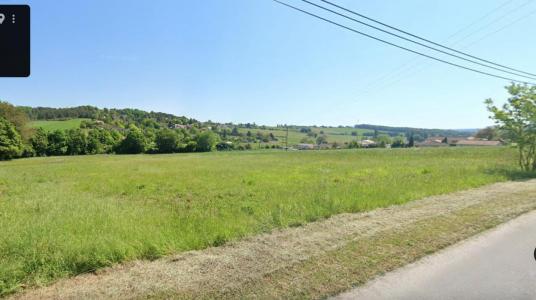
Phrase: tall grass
[62,216]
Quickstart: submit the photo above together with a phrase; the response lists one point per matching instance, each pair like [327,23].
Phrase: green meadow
[62,216]
[57,124]
[333,134]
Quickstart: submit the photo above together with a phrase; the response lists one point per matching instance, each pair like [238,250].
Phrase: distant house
[180,126]
[477,143]
[457,142]
[305,147]
[436,141]
[367,143]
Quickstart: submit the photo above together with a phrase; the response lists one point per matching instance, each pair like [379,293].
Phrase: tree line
[119,131]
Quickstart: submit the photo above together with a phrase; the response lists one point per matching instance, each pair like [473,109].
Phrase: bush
[134,143]
[39,142]
[76,142]
[225,146]
[27,151]
[10,141]
[206,141]
[57,143]
[167,141]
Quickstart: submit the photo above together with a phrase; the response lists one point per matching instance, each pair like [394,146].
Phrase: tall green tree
[17,117]
[383,140]
[10,141]
[76,142]
[206,141]
[488,133]
[134,143]
[167,141]
[235,132]
[411,142]
[321,139]
[517,119]
[39,142]
[57,143]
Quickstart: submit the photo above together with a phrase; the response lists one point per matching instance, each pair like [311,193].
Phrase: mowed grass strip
[63,216]
[364,259]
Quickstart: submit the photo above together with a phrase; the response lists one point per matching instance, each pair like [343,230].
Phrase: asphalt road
[499,264]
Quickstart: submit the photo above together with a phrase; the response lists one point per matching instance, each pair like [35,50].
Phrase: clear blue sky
[256,61]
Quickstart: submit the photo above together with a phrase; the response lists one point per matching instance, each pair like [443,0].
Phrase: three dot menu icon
[14,40]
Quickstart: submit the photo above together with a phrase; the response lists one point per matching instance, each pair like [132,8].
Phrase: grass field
[334,134]
[57,125]
[62,216]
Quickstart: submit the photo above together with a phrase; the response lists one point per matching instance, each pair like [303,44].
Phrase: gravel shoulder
[314,261]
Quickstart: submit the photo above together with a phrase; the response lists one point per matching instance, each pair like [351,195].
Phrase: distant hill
[423,132]
[117,117]
[71,117]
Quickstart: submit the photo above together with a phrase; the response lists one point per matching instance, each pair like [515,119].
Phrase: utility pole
[286,139]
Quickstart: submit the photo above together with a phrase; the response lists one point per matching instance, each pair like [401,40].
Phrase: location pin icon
[2,18]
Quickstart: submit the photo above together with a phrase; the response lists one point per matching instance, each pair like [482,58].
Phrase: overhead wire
[402,47]
[417,36]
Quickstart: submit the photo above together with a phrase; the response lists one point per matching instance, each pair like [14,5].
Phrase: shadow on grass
[512,174]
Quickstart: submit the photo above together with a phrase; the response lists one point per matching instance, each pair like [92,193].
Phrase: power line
[481,18]
[397,78]
[424,39]
[401,47]
[503,28]
[496,20]
[420,44]
[400,70]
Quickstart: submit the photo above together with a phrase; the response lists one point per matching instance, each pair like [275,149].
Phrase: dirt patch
[232,270]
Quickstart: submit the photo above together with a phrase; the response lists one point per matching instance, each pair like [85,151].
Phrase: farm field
[61,216]
[57,124]
[333,134]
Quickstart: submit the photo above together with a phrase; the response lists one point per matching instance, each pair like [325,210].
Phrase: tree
[167,141]
[489,133]
[57,143]
[39,142]
[235,132]
[399,142]
[76,142]
[17,117]
[411,142]
[100,140]
[10,141]
[517,119]
[206,141]
[321,139]
[383,140]
[134,143]
[94,144]
[354,145]
[225,146]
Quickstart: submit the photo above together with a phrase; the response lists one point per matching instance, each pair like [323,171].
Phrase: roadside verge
[314,261]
